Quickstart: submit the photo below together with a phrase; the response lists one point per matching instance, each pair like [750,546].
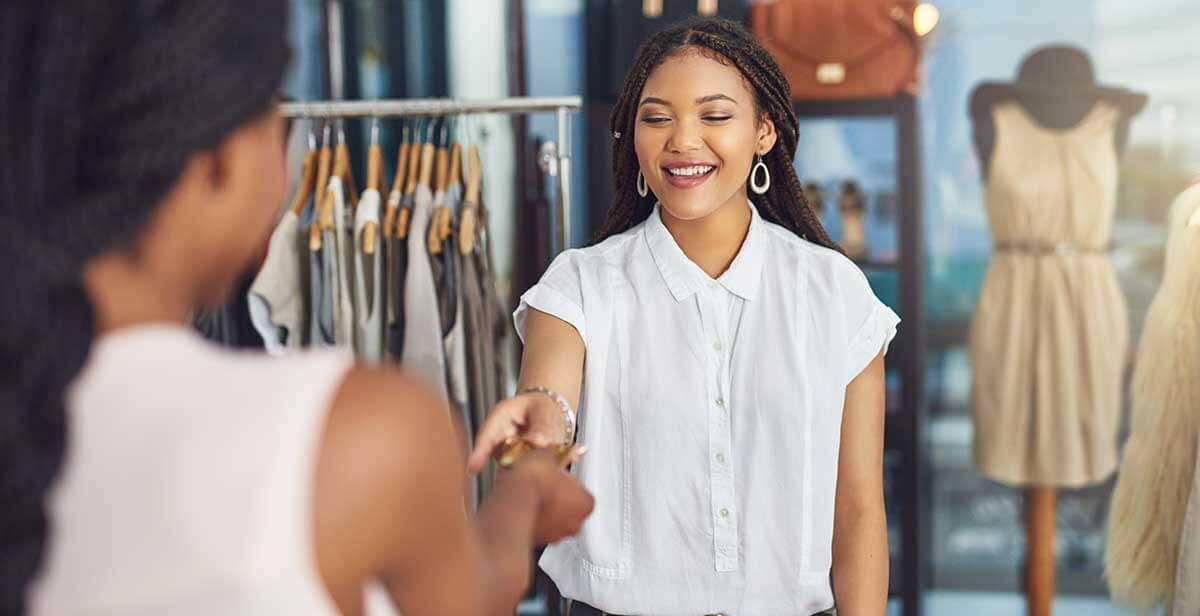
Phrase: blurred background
[958,539]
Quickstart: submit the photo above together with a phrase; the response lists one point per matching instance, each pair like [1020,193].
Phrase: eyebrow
[705,99]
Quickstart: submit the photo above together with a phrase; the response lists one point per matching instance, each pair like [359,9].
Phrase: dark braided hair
[102,103]
[729,43]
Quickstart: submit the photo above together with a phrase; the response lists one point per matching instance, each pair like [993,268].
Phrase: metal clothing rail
[430,107]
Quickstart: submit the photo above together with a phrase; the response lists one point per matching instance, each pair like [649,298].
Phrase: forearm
[505,530]
[860,561]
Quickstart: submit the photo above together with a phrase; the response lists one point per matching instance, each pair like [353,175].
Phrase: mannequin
[1056,90]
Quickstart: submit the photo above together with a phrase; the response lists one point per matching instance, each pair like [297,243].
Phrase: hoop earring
[760,189]
[642,188]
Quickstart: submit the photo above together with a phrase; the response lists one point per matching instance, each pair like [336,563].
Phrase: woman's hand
[532,416]
[563,503]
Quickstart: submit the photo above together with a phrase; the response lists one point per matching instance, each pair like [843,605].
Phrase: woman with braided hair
[144,470]
[725,357]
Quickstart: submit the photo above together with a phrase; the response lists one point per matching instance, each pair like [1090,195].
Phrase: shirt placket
[714,317]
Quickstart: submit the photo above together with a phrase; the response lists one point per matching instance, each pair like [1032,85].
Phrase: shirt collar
[684,278]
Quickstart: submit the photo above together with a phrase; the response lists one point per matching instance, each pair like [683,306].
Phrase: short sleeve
[870,324]
[559,293]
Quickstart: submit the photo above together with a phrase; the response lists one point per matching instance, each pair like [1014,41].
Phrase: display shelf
[906,494]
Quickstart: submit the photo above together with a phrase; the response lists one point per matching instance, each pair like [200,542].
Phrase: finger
[495,431]
[576,452]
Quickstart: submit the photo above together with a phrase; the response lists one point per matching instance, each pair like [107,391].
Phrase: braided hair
[729,43]
[101,106]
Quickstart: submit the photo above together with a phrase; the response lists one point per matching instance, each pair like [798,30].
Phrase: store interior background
[973,539]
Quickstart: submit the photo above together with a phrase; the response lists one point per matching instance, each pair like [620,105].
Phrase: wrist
[562,411]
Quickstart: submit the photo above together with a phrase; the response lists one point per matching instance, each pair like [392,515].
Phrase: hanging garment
[423,347]
[204,510]
[1186,601]
[368,280]
[324,282]
[320,302]
[397,268]
[1050,332]
[1157,466]
[455,340]
[485,331]
[276,299]
[456,361]
[338,247]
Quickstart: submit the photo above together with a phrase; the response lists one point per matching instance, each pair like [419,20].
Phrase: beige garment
[1050,332]
[1186,601]
[1158,463]
[423,353]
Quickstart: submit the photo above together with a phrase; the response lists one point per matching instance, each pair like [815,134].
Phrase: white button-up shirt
[712,409]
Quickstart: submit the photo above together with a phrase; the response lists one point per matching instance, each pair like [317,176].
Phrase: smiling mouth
[690,176]
[690,172]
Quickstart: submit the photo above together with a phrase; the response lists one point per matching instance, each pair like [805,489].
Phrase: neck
[124,295]
[712,242]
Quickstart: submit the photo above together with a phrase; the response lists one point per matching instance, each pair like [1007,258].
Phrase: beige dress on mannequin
[1157,475]
[1049,336]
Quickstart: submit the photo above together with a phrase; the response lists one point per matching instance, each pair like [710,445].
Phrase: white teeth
[690,171]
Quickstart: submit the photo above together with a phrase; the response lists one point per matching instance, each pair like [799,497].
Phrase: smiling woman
[725,357]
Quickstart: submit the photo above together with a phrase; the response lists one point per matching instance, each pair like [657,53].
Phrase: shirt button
[721,402]
[717,345]
[721,458]
[724,512]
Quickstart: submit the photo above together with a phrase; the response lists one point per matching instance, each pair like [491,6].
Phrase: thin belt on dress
[576,608]
[1046,250]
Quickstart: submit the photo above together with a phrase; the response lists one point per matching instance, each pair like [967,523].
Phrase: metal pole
[428,107]
[564,178]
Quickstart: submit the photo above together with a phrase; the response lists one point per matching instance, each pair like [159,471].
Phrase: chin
[690,208]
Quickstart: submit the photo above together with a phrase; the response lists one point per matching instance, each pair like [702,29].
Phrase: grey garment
[368,280]
[340,247]
[456,361]
[1186,601]
[423,351]
[397,268]
[395,263]
[486,328]
[276,299]
[324,283]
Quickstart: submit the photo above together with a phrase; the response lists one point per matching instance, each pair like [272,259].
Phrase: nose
[686,136]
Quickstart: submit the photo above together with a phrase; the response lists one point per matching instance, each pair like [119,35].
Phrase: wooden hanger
[341,170]
[435,222]
[324,163]
[389,219]
[416,165]
[470,214]
[349,188]
[455,179]
[304,189]
[374,182]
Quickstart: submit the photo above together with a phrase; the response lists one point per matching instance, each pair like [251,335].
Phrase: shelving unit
[904,428]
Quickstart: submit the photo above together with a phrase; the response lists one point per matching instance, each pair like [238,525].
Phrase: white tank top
[187,485]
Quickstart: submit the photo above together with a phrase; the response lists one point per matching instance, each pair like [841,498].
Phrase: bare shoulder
[388,452]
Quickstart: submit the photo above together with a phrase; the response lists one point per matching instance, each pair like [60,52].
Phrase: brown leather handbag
[832,49]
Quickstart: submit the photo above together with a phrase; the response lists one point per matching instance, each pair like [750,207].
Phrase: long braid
[727,42]
[101,106]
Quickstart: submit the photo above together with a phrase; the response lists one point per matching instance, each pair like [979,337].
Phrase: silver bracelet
[563,405]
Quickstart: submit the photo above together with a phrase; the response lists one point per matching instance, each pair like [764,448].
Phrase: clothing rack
[385,108]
